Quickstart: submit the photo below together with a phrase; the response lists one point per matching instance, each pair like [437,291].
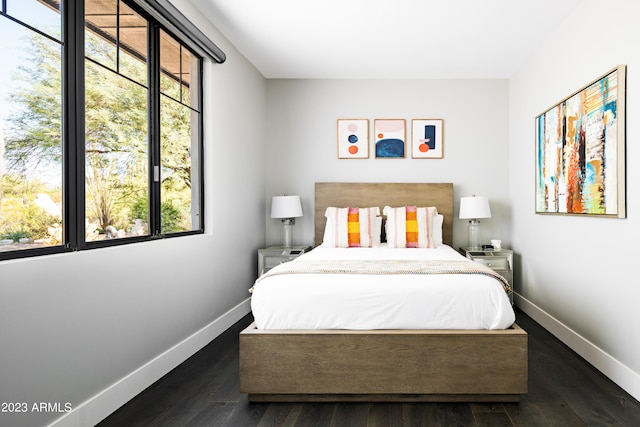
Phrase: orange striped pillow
[410,226]
[411,222]
[353,228]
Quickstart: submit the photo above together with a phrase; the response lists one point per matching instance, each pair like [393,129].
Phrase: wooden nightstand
[276,255]
[500,261]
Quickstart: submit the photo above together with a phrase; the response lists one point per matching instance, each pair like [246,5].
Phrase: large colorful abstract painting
[426,139]
[353,138]
[389,138]
[580,151]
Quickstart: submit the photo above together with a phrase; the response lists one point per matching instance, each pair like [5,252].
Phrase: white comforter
[365,302]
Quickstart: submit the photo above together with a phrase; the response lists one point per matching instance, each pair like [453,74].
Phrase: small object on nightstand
[276,255]
[499,260]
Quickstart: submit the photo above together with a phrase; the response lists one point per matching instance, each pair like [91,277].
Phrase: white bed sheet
[367,302]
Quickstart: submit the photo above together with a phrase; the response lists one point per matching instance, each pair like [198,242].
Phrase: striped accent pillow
[410,226]
[352,227]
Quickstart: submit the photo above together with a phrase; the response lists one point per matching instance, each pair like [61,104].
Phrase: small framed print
[389,138]
[427,138]
[353,138]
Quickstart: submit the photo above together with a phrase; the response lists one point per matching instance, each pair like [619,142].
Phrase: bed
[289,355]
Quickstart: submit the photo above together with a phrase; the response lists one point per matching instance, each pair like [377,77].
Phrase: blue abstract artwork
[389,134]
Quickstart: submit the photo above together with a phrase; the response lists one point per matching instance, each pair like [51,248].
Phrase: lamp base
[474,234]
[287,232]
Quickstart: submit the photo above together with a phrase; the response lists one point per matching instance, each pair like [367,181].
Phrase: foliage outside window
[140,180]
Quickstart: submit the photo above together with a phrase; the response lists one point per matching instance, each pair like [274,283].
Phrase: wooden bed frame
[384,365]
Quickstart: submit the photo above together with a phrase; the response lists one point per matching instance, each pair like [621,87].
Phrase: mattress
[379,301]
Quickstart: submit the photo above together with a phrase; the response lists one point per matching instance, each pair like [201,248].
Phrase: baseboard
[107,401]
[604,362]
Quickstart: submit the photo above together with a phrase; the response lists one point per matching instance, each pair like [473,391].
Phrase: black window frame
[73,130]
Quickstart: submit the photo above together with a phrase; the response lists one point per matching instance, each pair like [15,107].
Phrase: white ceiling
[386,38]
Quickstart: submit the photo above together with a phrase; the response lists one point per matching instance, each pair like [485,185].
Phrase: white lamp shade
[474,207]
[286,207]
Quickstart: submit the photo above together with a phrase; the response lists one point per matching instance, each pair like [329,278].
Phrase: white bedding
[366,302]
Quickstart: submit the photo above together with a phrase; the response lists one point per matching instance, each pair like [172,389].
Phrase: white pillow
[336,233]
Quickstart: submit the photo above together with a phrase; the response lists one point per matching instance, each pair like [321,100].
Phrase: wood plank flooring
[564,390]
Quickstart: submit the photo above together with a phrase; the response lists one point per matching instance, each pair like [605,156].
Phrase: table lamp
[474,208]
[287,208]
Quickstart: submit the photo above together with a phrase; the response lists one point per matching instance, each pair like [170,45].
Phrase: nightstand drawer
[275,255]
[272,261]
[495,263]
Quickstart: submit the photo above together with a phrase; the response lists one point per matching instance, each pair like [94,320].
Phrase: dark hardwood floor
[564,390]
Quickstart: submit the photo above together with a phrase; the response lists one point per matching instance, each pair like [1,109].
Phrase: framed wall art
[426,138]
[580,151]
[389,137]
[353,138]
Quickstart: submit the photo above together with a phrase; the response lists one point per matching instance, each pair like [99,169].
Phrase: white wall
[302,146]
[577,275]
[94,328]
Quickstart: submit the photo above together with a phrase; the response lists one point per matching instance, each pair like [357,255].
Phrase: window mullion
[118,36]
[154,130]
[73,131]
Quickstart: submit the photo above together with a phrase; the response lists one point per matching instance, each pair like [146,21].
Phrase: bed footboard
[383,365]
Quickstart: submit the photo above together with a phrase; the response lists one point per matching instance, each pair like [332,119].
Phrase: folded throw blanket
[379,267]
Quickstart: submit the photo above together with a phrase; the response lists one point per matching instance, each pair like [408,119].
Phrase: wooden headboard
[349,194]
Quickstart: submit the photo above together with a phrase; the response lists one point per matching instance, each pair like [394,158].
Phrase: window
[31,145]
[111,157]
[179,124]
[116,161]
